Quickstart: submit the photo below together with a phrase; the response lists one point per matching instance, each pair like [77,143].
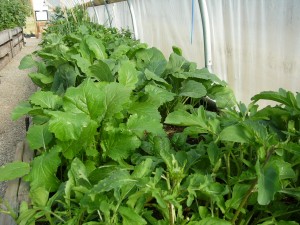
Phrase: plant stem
[244,201]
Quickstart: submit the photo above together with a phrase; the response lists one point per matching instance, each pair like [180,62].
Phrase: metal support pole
[109,18]
[206,34]
[95,11]
[133,20]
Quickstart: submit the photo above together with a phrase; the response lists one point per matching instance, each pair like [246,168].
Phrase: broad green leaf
[141,125]
[130,217]
[268,184]
[38,136]
[223,96]
[82,63]
[27,62]
[68,125]
[183,118]
[119,145]
[236,133]
[101,72]
[43,171]
[45,99]
[143,169]
[96,46]
[21,110]
[192,89]
[285,169]
[65,76]
[86,98]
[116,96]
[284,222]
[159,95]
[211,221]
[128,75]
[177,64]
[79,173]
[14,170]
[115,180]
[40,79]
[120,51]
[204,74]
[39,196]
[86,140]
[213,153]
[84,50]
[152,76]
[151,59]
[238,193]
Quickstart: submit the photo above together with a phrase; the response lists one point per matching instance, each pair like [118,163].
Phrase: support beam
[206,34]
[103,2]
[133,19]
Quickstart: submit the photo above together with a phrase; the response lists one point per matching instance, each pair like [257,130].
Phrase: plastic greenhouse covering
[255,44]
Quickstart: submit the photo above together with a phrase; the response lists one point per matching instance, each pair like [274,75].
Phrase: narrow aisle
[15,86]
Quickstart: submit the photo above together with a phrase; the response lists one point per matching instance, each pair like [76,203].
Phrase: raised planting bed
[11,42]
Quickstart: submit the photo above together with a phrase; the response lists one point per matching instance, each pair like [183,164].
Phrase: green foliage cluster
[13,13]
[125,136]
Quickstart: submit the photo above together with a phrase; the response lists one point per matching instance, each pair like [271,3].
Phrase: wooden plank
[23,192]
[4,37]
[5,49]
[4,61]
[12,189]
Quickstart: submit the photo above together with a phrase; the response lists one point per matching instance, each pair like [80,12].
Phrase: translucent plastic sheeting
[163,24]
[119,15]
[256,44]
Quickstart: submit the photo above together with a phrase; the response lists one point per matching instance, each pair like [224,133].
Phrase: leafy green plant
[123,135]
[13,13]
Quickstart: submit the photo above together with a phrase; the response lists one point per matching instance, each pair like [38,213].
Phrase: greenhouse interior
[159,112]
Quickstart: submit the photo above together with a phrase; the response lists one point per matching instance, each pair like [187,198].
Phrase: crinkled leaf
[38,136]
[45,99]
[101,72]
[192,89]
[128,75]
[11,171]
[27,62]
[43,171]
